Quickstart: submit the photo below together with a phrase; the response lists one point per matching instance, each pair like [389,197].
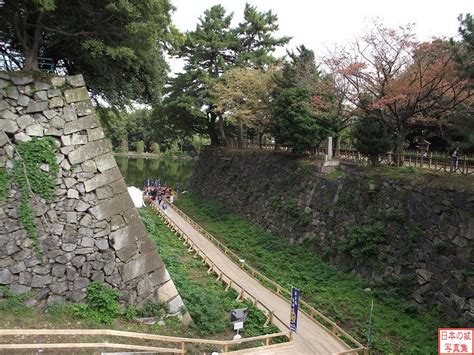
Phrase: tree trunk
[399,142]
[211,129]
[222,135]
[338,145]
[260,139]
[31,41]
[241,134]
[31,60]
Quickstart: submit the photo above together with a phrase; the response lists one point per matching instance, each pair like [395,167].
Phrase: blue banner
[295,301]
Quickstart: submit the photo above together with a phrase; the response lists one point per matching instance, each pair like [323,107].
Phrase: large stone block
[76,80]
[167,292]
[140,266]
[82,123]
[35,106]
[105,162]
[112,207]
[8,126]
[103,179]
[127,253]
[127,235]
[75,95]
[89,151]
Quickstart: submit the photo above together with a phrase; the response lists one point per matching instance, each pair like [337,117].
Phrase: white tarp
[137,196]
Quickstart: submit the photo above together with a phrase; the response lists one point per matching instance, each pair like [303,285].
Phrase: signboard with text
[295,300]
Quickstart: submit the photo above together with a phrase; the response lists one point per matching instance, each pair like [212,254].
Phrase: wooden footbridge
[316,333]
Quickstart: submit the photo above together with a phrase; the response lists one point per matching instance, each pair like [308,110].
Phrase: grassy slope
[206,300]
[398,326]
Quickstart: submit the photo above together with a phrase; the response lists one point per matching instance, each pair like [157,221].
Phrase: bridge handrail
[221,274]
[309,310]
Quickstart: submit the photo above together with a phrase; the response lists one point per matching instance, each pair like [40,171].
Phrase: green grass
[397,327]
[206,300]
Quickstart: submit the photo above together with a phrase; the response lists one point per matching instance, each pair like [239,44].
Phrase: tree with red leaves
[387,75]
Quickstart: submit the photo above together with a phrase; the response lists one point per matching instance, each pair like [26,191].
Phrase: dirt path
[311,337]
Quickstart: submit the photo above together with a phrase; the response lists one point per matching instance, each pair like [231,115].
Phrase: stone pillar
[329,149]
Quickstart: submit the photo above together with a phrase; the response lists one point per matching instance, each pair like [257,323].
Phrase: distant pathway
[311,337]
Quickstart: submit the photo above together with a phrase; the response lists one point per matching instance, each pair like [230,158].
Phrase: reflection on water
[136,170]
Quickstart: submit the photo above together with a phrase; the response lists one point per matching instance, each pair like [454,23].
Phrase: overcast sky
[320,24]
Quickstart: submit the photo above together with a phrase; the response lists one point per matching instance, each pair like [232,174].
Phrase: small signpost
[295,300]
[238,317]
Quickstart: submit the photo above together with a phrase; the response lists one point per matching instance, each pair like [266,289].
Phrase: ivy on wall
[34,172]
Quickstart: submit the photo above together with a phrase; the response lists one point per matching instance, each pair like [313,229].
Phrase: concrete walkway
[311,337]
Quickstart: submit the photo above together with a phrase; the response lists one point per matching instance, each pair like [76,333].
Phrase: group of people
[159,194]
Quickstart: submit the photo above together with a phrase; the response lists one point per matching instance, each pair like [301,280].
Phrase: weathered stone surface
[141,265]
[75,80]
[3,138]
[35,130]
[88,151]
[56,102]
[21,80]
[8,126]
[128,253]
[75,95]
[53,132]
[69,114]
[41,96]
[58,270]
[81,283]
[89,166]
[35,106]
[54,93]
[22,137]
[102,244]
[176,305]
[72,193]
[19,289]
[41,280]
[79,139]
[3,105]
[84,108]
[58,81]
[122,237]
[24,121]
[12,93]
[8,115]
[112,207]
[166,292]
[159,276]
[100,180]
[95,134]
[82,123]
[5,277]
[105,162]
[144,287]
[23,100]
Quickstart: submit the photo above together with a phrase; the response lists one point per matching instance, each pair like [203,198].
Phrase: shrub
[140,147]
[371,139]
[102,304]
[155,148]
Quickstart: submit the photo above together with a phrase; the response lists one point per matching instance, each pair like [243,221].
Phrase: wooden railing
[243,293]
[273,286]
[182,345]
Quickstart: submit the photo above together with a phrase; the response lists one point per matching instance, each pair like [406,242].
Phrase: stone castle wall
[409,233]
[91,230]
